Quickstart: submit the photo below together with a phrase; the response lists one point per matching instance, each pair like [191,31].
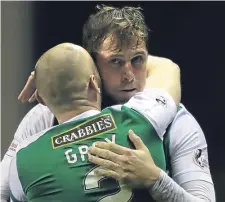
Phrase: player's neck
[63,117]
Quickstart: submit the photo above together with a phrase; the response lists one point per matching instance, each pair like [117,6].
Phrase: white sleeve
[188,150]
[17,193]
[37,119]
[157,106]
[189,163]
[4,186]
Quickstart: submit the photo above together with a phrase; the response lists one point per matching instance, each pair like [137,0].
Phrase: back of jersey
[55,167]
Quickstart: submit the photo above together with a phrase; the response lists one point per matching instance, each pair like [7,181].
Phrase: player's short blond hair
[62,75]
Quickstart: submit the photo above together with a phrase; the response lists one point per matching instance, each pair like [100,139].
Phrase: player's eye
[139,59]
[116,62]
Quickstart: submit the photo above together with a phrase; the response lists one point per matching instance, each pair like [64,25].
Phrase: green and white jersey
[53,165]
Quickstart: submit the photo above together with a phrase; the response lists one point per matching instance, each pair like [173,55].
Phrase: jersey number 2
[93,181]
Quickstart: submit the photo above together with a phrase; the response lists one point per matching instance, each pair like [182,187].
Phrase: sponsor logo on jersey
[200,159]
[93,127]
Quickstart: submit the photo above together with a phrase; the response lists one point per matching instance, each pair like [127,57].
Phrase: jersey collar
[84,115]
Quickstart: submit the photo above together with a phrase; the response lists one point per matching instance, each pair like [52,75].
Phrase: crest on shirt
[200,159]
[13,147]
[161,100]
[86,130]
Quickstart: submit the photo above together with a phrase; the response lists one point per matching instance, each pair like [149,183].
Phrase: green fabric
[46,174]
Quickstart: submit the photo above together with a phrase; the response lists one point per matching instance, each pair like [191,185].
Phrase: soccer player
[53,165]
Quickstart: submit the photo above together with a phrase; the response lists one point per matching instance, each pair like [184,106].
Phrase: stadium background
[190,33]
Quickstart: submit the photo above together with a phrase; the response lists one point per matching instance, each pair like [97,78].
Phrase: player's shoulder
[31,139]
[185,129]
[155,61]
[185,119]
[37,119]
[158,60]
[39,110]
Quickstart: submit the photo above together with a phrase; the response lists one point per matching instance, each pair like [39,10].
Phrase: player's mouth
[129,90]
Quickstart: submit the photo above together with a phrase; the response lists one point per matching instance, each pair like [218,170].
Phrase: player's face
[123,72]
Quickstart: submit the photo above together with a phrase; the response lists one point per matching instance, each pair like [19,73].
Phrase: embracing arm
[191,179]
[137,169]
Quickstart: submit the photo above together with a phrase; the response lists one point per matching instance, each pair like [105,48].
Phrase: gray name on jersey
[88,129]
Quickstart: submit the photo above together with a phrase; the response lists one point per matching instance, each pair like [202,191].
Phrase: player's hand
[28,92]
[135,167]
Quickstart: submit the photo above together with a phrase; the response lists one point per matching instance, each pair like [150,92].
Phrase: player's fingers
[32,98]
[28,89]
[106,154]
[103,162]
[107,173]
[27,85]
[111,147]
[25,94]
[138,143]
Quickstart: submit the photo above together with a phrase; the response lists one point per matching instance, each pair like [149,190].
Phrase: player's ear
[93,85]
[39,98]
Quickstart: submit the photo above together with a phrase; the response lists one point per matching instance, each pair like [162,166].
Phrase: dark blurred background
[192,34]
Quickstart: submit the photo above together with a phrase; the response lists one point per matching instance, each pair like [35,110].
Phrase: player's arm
[191,175]
[164,73]
[16,191]
[189,162]
[189,184]
[37,119]
[158,107]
